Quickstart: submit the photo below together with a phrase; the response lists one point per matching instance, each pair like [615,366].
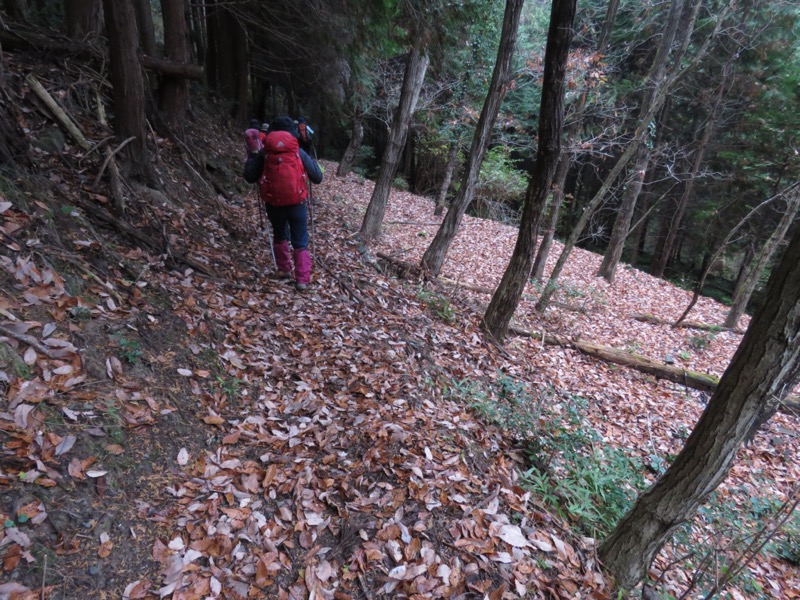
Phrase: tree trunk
[83,18]
[622,224]
[654,99]
[452,157]
[353,147]
[567,158]
[434,256]
[765,367]
[198,31]
[556,201]
[551,116]
[144,22]
[241,70]
[655,77]
[175,90]
[671,233]
[756,267]
[128,84]
[413,78]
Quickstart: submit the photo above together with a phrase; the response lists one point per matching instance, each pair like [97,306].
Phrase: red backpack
[284,181]
[252,140]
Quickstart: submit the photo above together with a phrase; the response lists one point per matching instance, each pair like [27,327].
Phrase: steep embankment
[179,423]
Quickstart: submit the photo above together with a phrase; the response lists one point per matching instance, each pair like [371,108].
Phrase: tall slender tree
[416,67]
[746,284]
[83,17]
[569,151]
[654,94]
[763,370]
[551,117]
[175,90]
[128,83]
[639,136]
[434,256]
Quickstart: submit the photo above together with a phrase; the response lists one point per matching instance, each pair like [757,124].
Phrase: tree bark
[128,84]
[556,201]
[434,256]
[763,370]
[144,23]
[413,78]
[659,96]
[83,18]
[450,167]
[175,90]
[353,147]
[551,116]
[567,158]
[619,233]
[655,78]
[756,267]
[172,70]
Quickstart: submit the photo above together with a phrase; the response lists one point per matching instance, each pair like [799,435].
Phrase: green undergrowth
[570,468]
[592,483]
[730,529]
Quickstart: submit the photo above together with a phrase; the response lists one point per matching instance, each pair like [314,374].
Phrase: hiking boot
[283,258]
[301,287]
[302,267]
[283,275]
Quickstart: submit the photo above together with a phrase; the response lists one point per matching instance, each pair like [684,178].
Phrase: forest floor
[207,431]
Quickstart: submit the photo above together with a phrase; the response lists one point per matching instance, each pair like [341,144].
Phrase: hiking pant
[297,218]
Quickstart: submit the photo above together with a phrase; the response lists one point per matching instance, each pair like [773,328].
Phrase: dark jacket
[312,167]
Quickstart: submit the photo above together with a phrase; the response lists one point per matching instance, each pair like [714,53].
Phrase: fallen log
[60,115]
[648,318]
[172,69]
[692,379]
[28,40]
[401,266]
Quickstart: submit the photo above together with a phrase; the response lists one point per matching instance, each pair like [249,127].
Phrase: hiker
[306,135]
[253,139]
[264,132]
[284,190]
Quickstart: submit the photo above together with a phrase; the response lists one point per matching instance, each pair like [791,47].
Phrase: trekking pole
[264,229]
[311,216]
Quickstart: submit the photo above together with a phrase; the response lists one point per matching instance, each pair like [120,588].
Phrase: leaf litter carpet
[338,466]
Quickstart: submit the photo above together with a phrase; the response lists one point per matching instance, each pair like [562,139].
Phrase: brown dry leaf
[106,545]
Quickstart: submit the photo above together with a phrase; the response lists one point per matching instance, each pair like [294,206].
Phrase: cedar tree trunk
[413,78]
[763,370]
[653,95]
[353,147]
[147,31]
[452,157]
[616,244]
[753,271]
[434,256]
[83,18]
[175,90]
[128,83]
[551,116]
[573,134]
[556,201]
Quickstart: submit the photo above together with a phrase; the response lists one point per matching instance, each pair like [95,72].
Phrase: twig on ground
[27,339]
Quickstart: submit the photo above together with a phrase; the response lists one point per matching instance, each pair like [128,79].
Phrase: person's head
[265,127]
[301,119]
[253,123]
[282,123]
